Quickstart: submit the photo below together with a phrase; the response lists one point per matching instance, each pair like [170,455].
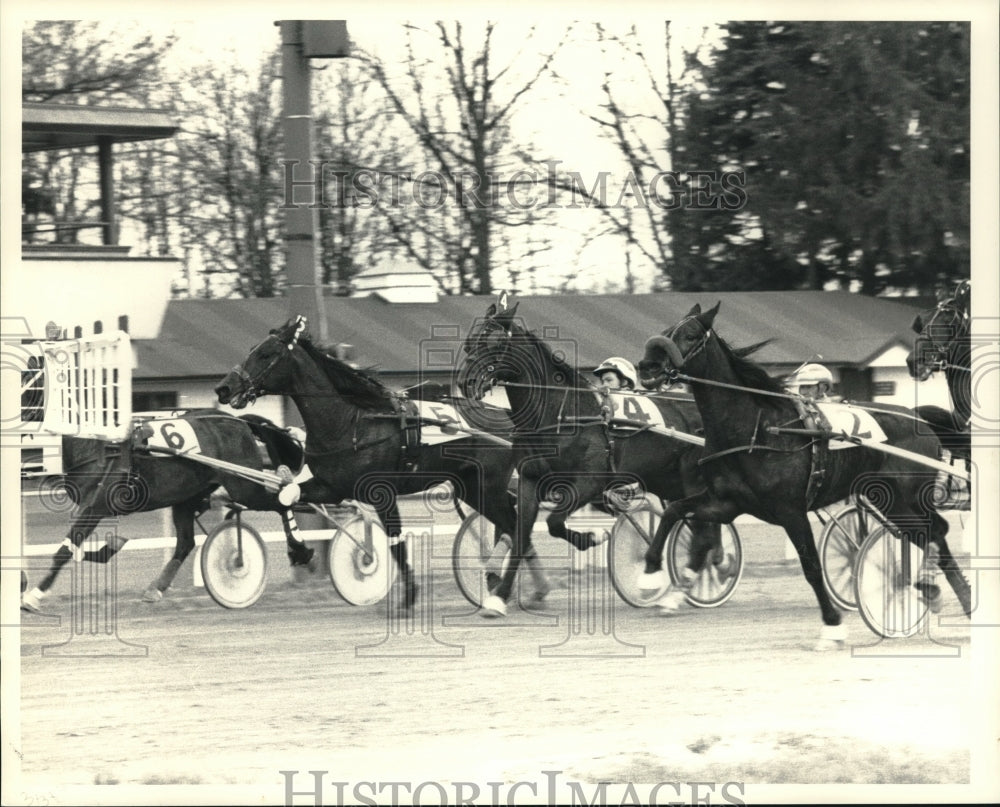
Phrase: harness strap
[739,449]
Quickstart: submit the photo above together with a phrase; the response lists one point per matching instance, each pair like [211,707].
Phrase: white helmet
[811,374]
[624,368]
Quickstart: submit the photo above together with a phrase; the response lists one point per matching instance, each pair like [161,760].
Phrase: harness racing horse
[758,460]
[566,448]
[943,343]
[363,439]
[104,479]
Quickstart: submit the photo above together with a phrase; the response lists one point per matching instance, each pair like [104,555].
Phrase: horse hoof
[32,602]
[152,594]
[671,602]
[726,568]
[653,581]
[303,557]
[831,637]
[930,595]
[493,607]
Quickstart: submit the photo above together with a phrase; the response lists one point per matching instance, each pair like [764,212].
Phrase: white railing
[88,386]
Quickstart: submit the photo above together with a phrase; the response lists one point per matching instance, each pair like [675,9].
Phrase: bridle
[479,348]
[956,323]
[254,386]
[666,342]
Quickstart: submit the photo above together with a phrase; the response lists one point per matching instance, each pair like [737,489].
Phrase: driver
[617,373]
[813,381]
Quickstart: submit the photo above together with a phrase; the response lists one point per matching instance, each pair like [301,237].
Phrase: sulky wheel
[361,568]
[631,536]
[721,572]
[886,570]
[838,552]
[234,564]
[473,545]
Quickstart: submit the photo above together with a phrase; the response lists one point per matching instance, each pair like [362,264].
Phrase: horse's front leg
[502,512]
[833,634]
[82,526]
[705,513]
[495,605]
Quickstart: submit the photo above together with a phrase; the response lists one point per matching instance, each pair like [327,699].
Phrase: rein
[791,397]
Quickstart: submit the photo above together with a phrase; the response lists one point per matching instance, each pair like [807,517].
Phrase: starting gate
[78,387]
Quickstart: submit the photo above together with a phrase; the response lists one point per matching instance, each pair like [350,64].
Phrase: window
[150,401]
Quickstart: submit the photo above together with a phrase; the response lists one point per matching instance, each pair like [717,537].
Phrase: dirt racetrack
[193,703]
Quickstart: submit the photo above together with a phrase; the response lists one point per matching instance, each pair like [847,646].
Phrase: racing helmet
[809,375]
[624,368]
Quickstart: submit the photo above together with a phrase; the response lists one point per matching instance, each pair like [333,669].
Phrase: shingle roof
[205,338]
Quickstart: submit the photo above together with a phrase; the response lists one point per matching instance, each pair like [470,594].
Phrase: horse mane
[574,376]
[749,373]
[359,387]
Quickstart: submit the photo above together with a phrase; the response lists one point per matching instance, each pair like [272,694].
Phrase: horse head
[265,370]
[489,351]
[666,353]
[937,330]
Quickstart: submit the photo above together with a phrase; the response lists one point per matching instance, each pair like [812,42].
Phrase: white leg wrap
[32,600]
[653,581]
[672,601]
[835,633]
[831,637]
[493,607]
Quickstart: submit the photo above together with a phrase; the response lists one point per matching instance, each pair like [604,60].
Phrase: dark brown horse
[105,479]
[759,458]
[363,440]
[567,448]
[943,343]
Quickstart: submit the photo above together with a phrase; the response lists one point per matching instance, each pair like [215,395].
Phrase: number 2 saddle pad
[852,421]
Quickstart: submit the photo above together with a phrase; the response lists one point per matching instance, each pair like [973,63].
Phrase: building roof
[61,126]
[205,338]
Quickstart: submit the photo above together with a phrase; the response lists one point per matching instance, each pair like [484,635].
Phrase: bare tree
[458,105]
[636,206]
[356,145]
[89,61]
[228,153]
[81,62]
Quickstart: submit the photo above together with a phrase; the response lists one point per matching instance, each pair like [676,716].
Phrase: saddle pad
[641,408]
[844,418]
[432,433]
[175,434]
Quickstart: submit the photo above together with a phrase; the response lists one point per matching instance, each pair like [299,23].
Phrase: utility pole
[302,40]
